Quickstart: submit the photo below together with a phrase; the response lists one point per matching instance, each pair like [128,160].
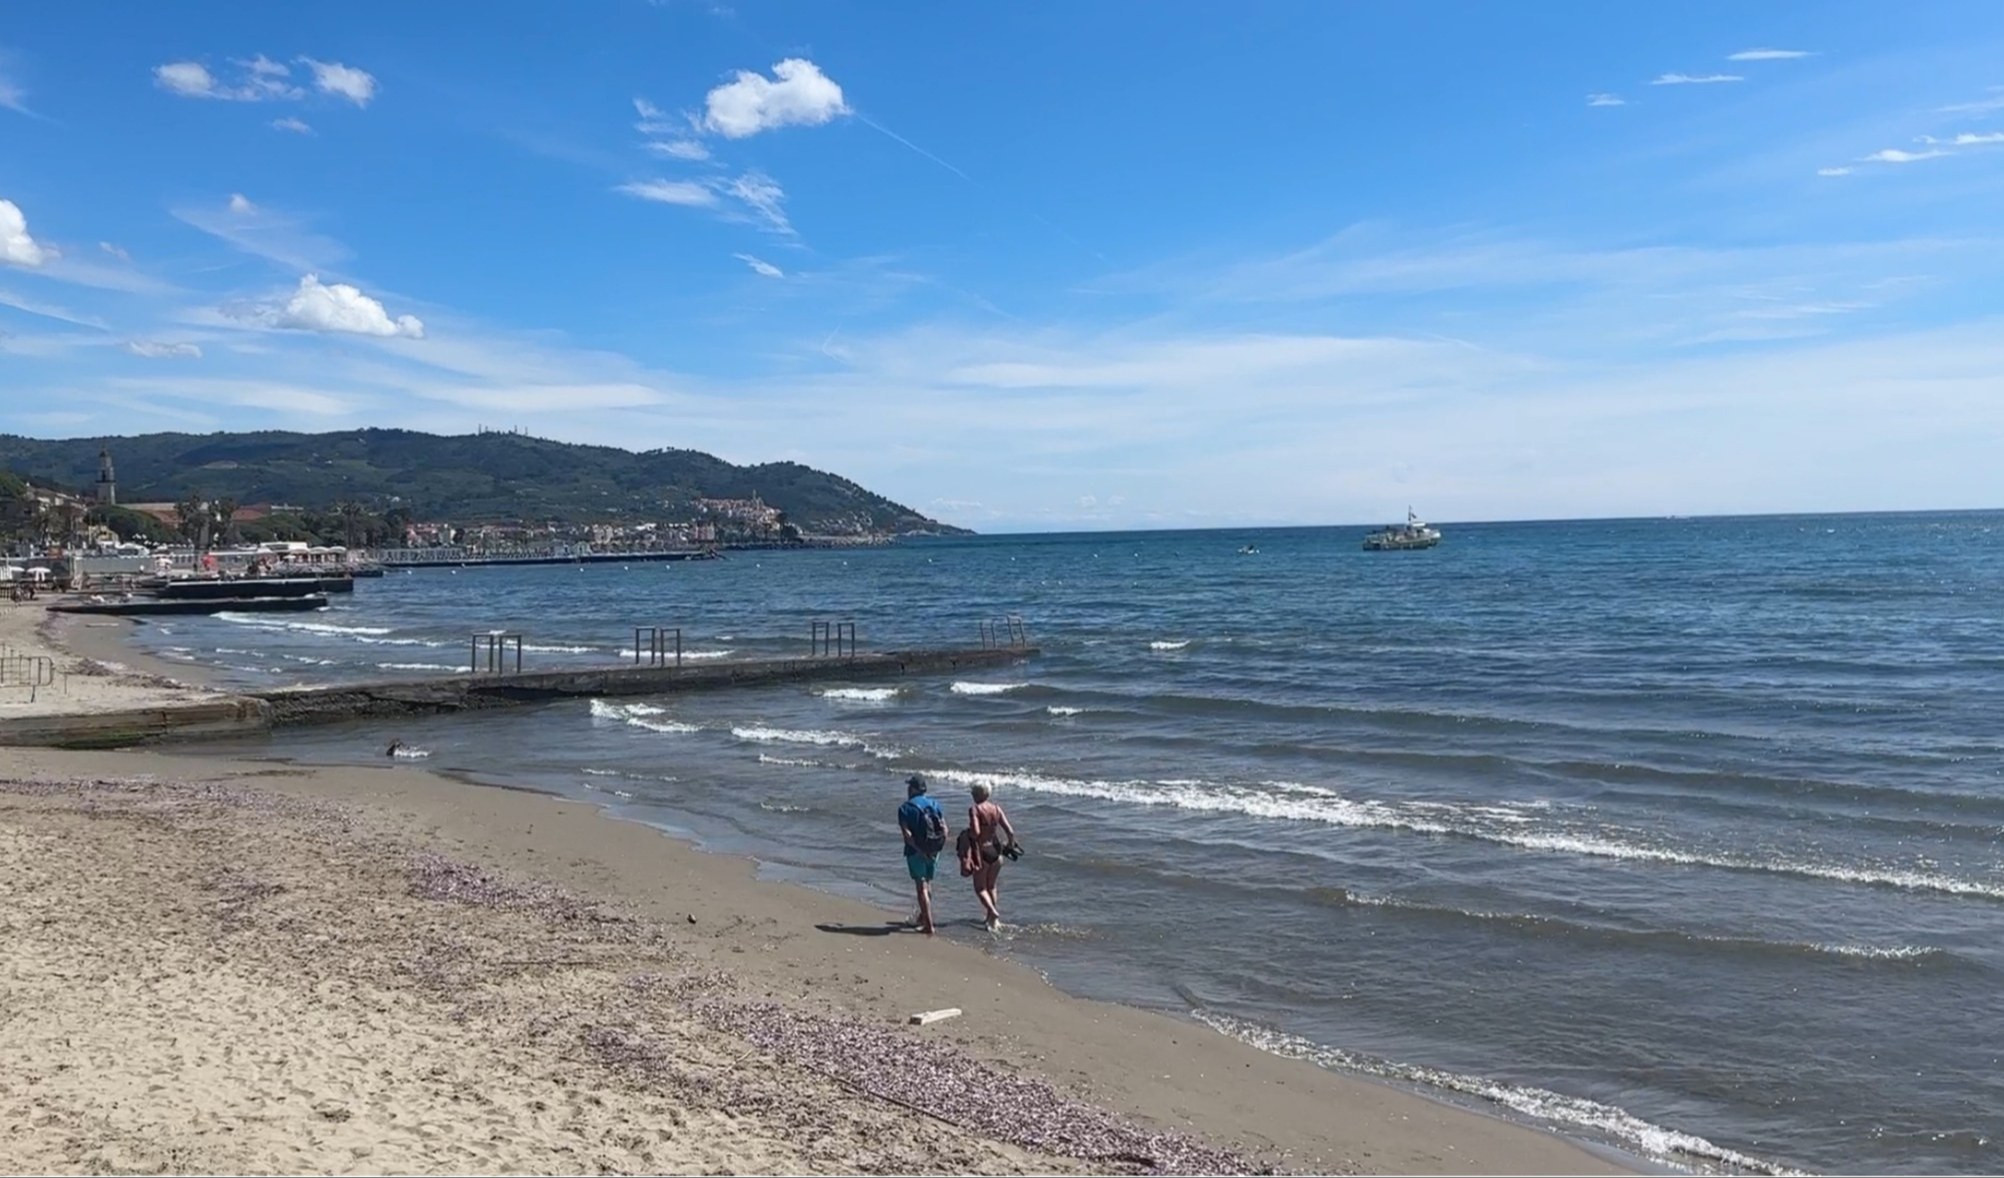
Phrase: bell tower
[107,479]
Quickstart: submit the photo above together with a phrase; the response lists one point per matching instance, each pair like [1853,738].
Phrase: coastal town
[53,536]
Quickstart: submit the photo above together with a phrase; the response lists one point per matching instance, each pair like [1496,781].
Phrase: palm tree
[193,512]
[224,512]
[353,518]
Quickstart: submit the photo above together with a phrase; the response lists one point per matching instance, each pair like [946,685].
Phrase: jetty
[497,679]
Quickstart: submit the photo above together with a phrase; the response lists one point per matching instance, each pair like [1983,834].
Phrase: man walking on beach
[923,825]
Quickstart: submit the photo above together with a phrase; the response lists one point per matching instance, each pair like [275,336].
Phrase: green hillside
[474,478]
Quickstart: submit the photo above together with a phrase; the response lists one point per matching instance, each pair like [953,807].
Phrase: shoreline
[1162,1071]
[826,956]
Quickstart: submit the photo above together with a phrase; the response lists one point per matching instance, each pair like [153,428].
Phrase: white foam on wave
[758,734]
[688,656]
[640,716]
[868,695]
[1556,1108]
[415,667]
[791,762]
[1295,802]
[407,753]
[964,688]
[1056,710]
[1169,644]
[372,635]
[534,648]
[1881,952]
[266,623]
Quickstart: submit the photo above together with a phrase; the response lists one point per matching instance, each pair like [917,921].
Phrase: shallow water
[1683,833]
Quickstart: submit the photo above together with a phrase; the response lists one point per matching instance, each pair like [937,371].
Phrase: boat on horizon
[1414,533]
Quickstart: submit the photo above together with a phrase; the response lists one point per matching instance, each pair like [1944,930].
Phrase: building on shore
[107,479]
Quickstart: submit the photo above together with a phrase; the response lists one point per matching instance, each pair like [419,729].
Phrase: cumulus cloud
[241,204]
[760,266]
[680,149]
[15,244]
[296,126]
[762,195]
[1693,79]
[1606,100]
[343,81]
[798,94]
[333,307]
[190,79]
[671,192]
[1894,155]
[1768,54]
[163,350]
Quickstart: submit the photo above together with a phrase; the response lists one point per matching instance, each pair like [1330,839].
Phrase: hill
[471,478]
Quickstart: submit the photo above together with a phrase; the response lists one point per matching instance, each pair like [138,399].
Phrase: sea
[1681,835]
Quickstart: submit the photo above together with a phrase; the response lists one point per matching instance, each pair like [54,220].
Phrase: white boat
[1414,533]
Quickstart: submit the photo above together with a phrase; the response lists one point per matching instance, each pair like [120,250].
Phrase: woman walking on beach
[993,838]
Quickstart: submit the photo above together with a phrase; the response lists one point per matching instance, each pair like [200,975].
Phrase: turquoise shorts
[921,866]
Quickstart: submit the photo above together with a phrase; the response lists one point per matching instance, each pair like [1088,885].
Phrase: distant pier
[440,558]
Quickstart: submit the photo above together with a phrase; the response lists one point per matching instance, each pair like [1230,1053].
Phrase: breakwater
[258,711]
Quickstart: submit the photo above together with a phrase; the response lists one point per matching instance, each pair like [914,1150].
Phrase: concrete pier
[260,711]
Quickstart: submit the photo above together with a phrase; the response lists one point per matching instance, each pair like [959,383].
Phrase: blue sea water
[1686,835]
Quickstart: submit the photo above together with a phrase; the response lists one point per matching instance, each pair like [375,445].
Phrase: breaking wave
[761,735]
[640,716]
[1167,644]
[872,695]
[1571,1112]
[964,688]
[1500,824]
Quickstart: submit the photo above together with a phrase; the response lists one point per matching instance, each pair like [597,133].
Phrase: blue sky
[1042,266]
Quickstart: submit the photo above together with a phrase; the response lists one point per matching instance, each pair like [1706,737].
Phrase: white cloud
[760,266]
[1833,171]
[680,149]
[296,126]
[1979,107]
[1977,139]
[162,349]
[764,197]
[265,233]
[1769,54]
[15,244]
[655,121]
[671,192]
[798,94]
[333,307]
[1693,79]
[1894,155]
[12,96]
[190,79]
[115,251]
[1606,100]
[344,81]
[260,79]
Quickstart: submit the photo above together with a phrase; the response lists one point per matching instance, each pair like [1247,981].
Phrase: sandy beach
[230,965]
